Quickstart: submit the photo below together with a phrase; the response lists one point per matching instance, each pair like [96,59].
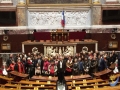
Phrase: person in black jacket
[9,61]
[61,66]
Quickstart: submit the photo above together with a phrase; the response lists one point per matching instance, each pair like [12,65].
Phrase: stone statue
[63,49]
[54,52]
[71,50]
[60,50]
[49,50]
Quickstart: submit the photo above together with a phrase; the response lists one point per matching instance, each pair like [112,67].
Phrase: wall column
[96,46]
[44,50]
[23,48]
[74,49]
[21,15]
[96,15]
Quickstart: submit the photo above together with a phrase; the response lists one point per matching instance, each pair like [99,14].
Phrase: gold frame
[5,38]
[56,5]
[112,44]
[5,46]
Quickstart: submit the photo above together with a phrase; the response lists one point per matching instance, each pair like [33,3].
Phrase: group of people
[60,65]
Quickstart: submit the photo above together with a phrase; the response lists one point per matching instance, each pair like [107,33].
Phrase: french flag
[63,19]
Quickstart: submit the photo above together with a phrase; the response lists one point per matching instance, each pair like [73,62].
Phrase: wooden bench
[95,83]
[6,78]
[1,88]
[19,87]
[67,78]
[37,82]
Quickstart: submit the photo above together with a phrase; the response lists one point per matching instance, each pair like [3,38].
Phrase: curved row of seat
[49,83]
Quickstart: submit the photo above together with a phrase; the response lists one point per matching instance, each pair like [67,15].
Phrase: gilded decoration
[57,1]
[21,16]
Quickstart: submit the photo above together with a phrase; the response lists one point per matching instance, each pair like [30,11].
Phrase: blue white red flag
[63,19]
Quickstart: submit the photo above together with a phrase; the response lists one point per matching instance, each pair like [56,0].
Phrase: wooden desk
[42,46]
[67,78]
[43,78]
[103,72]
[15,73]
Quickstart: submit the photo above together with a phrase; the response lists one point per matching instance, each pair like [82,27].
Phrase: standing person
[52,68]
[61,66]
[37,70]
[9,61]
[69,66]
[80,63]
[93,65]
[86,65]
[116,66]
[19,66]
[30,67]
[75,67]
[45,66]
[11,67]
[103,64]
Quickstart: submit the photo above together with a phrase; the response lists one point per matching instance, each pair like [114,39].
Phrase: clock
[5,38]
[113,36]
[113,44]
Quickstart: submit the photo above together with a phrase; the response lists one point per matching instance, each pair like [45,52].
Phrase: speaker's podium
[59,36]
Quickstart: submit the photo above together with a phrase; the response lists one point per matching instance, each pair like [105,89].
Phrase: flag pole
[64,21]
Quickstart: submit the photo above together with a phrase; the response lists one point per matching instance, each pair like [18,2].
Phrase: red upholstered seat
[47,41]
[41,40]
[76,40]
[71,40]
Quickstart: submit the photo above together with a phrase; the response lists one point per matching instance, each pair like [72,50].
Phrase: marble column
[74,50]
[21,16]
[96,15]
[23,49]
[45,50]
[96,46]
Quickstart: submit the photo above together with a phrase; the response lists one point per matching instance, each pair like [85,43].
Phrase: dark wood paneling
[28,48]
[80,46]
[103,39]
[16,42]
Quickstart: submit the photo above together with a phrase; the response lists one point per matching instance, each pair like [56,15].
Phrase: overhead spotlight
[67,30]
[6,32]
[35,30]
[83,30]
[114,30]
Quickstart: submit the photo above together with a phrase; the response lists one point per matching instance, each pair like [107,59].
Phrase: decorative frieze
[52,19]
